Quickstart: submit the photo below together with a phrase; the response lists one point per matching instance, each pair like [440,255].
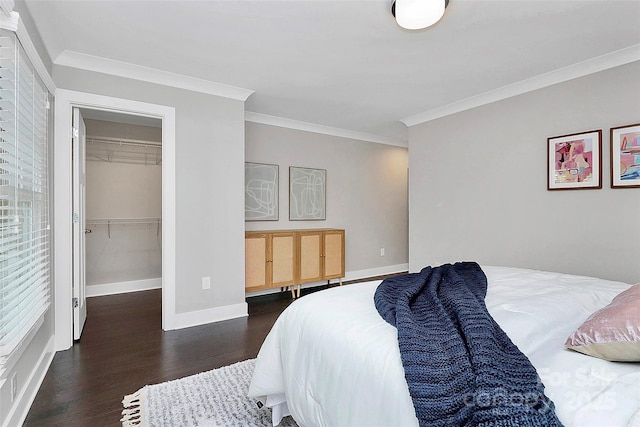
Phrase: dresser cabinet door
[283,259]
[256,256]
[333,254]
[310,251]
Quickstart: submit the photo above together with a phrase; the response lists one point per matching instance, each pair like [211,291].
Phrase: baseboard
[24,400]
[209,315]
[123,287]
[349,275]
[373,272]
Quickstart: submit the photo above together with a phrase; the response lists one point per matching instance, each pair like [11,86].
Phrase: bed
[331,360]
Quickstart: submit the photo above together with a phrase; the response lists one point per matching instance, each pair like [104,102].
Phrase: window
[25,278]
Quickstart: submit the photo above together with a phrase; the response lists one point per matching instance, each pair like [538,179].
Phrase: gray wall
[209,184]
[366,190]
[123,129]
[123,252]
[478,184]
[30,369]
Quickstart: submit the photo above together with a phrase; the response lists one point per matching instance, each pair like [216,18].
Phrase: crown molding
[6,7]
[266,119]
[34,57]
[580,69]
[152,75]
[11,21]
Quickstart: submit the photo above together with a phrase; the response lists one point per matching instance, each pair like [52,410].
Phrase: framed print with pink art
[574,162]
[625,156]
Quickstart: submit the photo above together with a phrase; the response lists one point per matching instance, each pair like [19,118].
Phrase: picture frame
[574,161]
[261,185]
[625,156]
[307,194]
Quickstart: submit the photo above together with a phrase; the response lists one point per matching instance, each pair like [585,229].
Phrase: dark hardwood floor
[124,348]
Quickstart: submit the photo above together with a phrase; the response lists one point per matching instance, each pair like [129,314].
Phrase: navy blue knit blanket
[461,367]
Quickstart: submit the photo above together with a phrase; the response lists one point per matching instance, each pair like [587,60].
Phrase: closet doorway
[63,287]
[123,203]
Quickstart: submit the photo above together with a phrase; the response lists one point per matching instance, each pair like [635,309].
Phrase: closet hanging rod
[112,221]
[122,141]
[96,221]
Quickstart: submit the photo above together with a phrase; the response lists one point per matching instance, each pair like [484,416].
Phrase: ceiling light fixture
[418,14]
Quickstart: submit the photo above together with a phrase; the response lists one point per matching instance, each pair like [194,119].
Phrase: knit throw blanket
[461,367]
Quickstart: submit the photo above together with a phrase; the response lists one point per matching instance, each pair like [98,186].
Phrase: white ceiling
[344,64]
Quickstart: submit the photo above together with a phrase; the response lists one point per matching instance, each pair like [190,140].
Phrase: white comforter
[331,360]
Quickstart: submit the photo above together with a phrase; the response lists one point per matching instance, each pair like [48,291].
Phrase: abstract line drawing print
[307,194]
[260,192]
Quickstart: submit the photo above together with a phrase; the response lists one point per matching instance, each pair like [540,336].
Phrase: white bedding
[331,360]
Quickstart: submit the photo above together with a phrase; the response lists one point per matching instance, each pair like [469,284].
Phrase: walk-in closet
[123,203]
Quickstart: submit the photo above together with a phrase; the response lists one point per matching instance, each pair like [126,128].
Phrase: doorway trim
[65,100]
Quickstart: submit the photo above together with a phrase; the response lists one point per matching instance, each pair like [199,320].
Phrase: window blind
[25,278]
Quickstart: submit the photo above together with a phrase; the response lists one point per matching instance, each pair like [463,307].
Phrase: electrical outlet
[381,251]
[14,386]
[206,282]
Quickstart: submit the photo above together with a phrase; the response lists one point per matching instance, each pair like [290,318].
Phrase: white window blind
[25,278]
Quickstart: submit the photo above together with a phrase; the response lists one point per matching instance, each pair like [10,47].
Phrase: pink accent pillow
[613,332]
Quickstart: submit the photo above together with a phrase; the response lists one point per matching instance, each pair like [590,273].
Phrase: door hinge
[75,132]
[75,302]
[75,218]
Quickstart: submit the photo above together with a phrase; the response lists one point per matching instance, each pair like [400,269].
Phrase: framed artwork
[625,156]
[307,194]
[574,162]
[260,192]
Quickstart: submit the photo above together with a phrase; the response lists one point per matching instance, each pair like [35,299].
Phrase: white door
[79,181]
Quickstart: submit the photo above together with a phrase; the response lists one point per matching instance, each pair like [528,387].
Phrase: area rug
[214,398]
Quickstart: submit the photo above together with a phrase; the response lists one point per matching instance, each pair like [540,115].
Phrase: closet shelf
[105,221]
[123,150]
[122,221]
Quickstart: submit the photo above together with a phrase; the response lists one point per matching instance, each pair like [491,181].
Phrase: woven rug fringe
[133,412]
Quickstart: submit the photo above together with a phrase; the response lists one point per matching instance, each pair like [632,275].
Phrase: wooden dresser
[283,258]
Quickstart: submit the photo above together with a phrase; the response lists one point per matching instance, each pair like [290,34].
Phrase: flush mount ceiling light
[418,14]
